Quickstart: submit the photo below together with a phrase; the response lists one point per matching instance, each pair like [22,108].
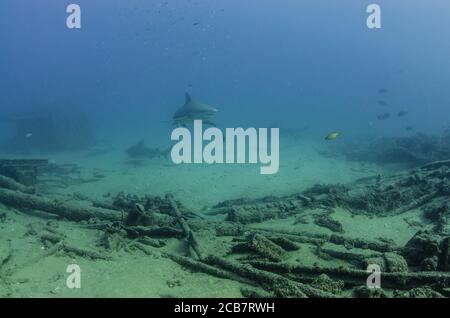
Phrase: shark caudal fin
[188,98]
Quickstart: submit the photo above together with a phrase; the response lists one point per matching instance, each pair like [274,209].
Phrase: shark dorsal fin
[188,98]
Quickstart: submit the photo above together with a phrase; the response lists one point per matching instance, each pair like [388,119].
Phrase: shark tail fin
[187,97]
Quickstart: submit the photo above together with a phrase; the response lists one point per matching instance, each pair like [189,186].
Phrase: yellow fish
[332,135]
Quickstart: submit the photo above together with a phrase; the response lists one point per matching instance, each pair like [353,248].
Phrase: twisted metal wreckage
[261,259]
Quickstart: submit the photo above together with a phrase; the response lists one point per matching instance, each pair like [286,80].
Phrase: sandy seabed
[30,272]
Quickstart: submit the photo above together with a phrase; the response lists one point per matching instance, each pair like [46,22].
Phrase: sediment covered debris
[268,261]
[412,150]
[70,211]
[429,251]
[325,220]
[261,245]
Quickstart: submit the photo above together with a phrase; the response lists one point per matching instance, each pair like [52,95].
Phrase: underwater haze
[86,117]
[299,63]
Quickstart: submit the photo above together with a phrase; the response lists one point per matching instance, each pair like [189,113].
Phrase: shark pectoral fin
[207,122]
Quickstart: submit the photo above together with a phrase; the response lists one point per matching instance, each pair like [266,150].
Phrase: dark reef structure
[409,151]
[49,130]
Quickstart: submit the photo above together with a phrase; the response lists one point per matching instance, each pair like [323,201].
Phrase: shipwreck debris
[24,171]
[272,265]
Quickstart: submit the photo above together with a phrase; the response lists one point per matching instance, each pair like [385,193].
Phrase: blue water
[288,63]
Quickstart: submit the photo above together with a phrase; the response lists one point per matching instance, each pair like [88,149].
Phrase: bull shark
[193,110]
